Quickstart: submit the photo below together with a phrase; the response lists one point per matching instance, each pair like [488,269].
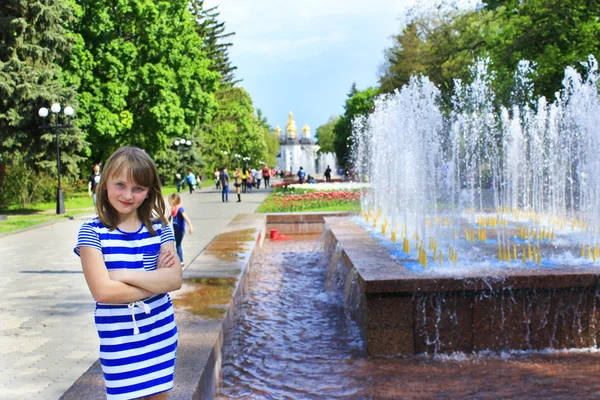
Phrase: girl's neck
[129,223]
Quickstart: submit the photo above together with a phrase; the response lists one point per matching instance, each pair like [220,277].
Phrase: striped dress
[138,341]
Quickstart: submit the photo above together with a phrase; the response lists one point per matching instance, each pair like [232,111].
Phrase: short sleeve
[87,237]
[166,235]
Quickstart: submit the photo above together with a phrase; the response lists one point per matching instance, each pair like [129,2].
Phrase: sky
[303,56]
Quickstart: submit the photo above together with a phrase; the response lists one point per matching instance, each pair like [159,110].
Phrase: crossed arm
[124,286]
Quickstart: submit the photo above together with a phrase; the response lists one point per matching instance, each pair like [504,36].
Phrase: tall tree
[212,32]
[149,80]
[235,129]
[325,136]
[34,40]
[271,139]
[359,103]
[553,35]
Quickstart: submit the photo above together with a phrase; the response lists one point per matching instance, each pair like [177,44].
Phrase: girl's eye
[139,189]
[120,184]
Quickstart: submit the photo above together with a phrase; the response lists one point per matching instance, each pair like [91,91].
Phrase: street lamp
[57,126]
[237,157]
[246,159]
[182,145]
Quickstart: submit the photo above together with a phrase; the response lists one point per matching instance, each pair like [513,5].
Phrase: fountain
[477,300]
[491,218]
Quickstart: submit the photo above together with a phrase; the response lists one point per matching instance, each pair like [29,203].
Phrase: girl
[238,183]
[129,263]
[180,219]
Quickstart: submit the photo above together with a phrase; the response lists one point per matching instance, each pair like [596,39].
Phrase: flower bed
[325,196]
[294,181]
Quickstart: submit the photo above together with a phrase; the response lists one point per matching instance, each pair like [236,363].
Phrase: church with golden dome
[294,151]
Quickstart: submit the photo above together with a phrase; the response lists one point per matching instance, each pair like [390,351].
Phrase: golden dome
[277,131]
[306,131]
[290,128]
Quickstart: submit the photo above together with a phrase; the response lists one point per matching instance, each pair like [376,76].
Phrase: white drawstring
[131,306]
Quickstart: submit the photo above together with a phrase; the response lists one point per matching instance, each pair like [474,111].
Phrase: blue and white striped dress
[138,341]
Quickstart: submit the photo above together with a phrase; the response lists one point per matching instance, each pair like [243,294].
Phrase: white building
[297,152]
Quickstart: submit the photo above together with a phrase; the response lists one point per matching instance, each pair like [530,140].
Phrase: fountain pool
[294,341]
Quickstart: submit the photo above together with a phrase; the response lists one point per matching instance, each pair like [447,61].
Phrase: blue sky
[304,55]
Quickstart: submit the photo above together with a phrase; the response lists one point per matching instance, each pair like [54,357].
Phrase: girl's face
[124,194]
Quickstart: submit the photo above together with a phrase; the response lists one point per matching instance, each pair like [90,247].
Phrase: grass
[39,213]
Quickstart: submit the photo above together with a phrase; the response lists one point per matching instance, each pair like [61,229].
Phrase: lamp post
[57,125]
[246,159]
[182,145]
[237,158]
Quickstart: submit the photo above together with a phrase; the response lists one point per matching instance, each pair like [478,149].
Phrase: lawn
[39,213]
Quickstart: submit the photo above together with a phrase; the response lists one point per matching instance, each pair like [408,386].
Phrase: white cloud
[284,28]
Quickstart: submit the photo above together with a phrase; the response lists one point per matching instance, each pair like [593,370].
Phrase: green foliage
[212,32]
[34,39]
[148,80]
[23,185]
[271,140]
[359,103]
[235,129]
[325,135]
[137,72]
[442,45]
[553,35]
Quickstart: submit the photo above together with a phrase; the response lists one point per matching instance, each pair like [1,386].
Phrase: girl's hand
[165,260]
[191,230]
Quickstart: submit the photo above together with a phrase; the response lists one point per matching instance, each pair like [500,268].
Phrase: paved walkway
[47,333]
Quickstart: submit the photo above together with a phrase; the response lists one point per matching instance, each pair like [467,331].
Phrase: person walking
[258,175]
[224,176]
[328,174]
[130,264]
[266,174]
[180,220]
[237,175]
[244,176]
[217,178]
[249,180]
[178,182]
[93,182]
[190,179]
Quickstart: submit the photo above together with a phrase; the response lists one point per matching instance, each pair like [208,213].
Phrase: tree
[361,103]
[212,32]
[148,80]
[34,39]
[403,60]
[235,129]
[271,139]
[441,46]
[325,135]
[553,35]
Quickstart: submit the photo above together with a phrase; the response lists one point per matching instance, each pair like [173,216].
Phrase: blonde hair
[174,199]
[141,170]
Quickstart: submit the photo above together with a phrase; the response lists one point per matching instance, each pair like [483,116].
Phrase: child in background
[129,263]
[180,219]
